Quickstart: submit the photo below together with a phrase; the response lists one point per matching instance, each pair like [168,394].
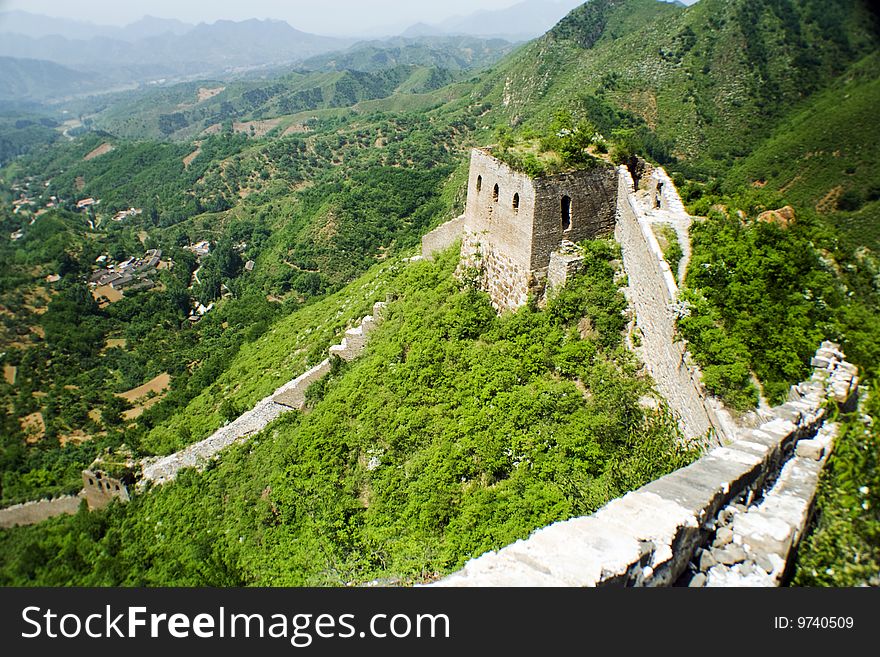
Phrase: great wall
[732,518]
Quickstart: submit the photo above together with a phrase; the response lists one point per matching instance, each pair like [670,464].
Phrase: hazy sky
[320,16]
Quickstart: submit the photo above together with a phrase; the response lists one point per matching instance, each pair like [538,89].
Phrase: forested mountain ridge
[316,200]
[708,80]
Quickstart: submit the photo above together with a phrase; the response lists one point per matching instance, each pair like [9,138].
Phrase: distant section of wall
[442,237]
[653,294]
[653,536]
[290,396]
[293,394]
[30,513]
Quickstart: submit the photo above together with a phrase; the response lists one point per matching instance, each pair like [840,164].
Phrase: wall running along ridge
[30,513]
[652,292]
[725,520]
[527,252]
[289,397]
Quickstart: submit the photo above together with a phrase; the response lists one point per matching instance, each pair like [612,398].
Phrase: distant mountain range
[35,79]
[53,58]
[36,26]
[521,22]
[148,50]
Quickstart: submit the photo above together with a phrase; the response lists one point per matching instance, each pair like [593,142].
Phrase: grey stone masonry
[653,295]
[30,513]
[565,262]
[651,537]
[513,223]
[100,489]
[290,396]
[770,531]
[442,237]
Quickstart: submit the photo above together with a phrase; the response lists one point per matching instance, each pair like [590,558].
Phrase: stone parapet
[30,513]
[751,500]
[653,295]
[442,237]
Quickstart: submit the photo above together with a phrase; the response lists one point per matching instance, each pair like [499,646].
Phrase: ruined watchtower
[514,223]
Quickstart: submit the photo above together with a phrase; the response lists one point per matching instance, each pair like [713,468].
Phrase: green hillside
[826,155]
[24,80]
[458,53]
[458,431]
[706,82]
[180,112]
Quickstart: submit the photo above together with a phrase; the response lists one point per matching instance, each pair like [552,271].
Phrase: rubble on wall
[734,517]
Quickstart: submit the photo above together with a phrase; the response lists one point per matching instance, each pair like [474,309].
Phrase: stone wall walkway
[732,518]
[289,397]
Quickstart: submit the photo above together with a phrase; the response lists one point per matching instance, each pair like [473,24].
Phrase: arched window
[516,202]
[495,194]
[566,213]
[91,482]
[479,183]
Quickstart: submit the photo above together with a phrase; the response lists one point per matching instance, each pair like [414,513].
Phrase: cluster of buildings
[131,274]
[124,214]
[200,249]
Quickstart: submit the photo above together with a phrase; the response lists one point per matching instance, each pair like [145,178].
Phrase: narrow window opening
[516,202]
[495,194]
[479,183]
[91,483]
[566,213]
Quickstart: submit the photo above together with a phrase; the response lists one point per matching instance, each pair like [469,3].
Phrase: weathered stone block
[764,533]
[811,449]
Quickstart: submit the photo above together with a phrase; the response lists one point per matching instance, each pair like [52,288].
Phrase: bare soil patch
[111,294]
[828,203]
[103,149]
[256,128]
[192,156]
[206,94]
[33,426]
[297,129]
[157,385]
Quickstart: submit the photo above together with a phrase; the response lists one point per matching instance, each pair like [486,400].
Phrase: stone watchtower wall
[513,223]
[100,489]
[498,236]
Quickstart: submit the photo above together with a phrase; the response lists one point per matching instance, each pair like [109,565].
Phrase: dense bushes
[457,432]
[844,547]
